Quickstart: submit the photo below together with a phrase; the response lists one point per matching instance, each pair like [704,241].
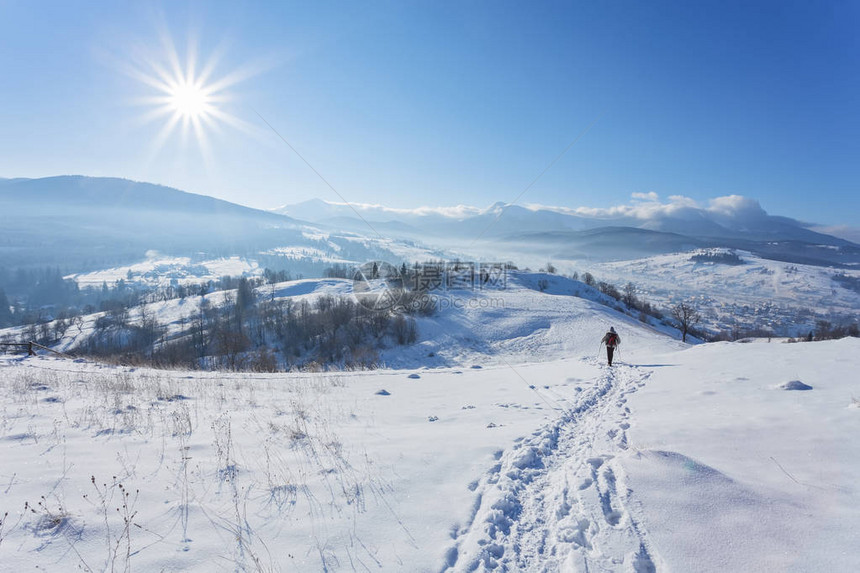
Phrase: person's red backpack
[612,339]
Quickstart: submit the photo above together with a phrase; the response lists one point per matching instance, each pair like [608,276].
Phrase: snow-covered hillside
[312,255]
[160,271]
[760,293]
[523,451]
[531,317]
[521,324]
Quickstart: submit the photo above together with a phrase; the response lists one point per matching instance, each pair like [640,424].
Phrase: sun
[185,93]
[190,101]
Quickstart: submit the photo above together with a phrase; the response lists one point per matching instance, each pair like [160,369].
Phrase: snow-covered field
[736,473]
[159,270]
[760,293]
[512,448]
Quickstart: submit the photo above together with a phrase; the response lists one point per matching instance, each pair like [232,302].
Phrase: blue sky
[441,103]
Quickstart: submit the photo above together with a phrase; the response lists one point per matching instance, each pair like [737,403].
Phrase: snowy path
[720,468]
[558,501]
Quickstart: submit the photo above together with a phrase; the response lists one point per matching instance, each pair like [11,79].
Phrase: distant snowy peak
[730,217]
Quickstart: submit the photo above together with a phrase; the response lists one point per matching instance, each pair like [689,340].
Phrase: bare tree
[149,329]
[629,295]
[686,316]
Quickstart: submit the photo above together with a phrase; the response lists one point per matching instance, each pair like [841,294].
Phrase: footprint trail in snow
[558,500]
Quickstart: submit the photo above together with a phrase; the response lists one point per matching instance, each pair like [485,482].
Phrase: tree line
[250,331]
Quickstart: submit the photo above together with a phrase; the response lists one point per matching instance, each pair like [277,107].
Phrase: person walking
[611,340]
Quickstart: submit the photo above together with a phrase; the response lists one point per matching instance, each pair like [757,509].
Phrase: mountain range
[645,228]
[85,223]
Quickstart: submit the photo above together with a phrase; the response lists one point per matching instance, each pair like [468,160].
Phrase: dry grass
[203,433]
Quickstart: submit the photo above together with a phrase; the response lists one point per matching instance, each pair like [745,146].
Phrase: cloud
[736,207]
[651,196]
[649,211]
[458,212]
[644,207]
[678,201]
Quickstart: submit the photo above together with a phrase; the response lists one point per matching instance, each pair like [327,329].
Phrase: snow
[759,293]
[520,324]
[513,447]
[315,235]
[309,253]
[771,475]
[159,270]
[321,464]
[305,287]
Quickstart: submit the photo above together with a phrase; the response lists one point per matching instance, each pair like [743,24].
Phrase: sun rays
[185,93]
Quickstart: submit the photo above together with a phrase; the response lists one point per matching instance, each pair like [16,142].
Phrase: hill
[520,451]
[89,223]
[749,293]
[321,323]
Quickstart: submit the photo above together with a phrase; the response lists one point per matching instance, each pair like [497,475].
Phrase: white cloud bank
[648,207]
[733,211]
[644,206]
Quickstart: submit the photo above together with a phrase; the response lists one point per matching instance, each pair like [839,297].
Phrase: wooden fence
[31,346]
